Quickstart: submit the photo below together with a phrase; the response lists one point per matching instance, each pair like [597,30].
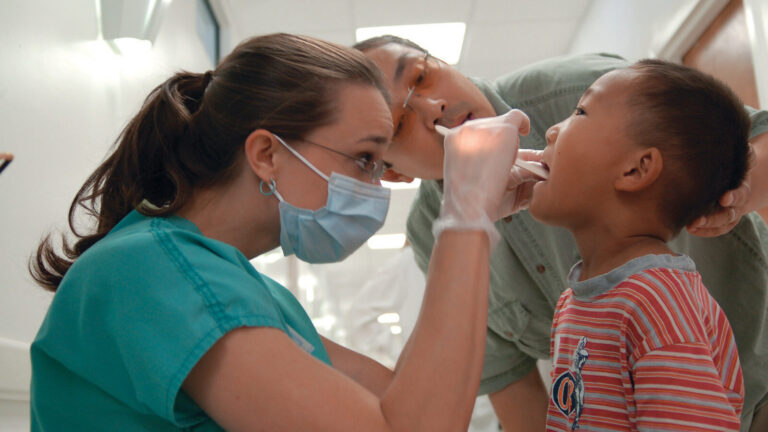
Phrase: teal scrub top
[135,313]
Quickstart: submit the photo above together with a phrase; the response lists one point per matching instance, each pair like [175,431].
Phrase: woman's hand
[479,156]
[519,186]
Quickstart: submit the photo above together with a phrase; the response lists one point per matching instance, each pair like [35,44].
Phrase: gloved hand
[479,156]
[519,186]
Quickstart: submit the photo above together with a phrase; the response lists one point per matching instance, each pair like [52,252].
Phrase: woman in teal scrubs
[159,321]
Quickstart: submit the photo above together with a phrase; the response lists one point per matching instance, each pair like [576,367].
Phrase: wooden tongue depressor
[533,167]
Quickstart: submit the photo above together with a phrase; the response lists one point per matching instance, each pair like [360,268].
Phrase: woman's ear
[391,175]
[642,170]
[260,148]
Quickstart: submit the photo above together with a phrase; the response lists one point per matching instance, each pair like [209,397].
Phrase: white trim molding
[683,31]
[229,34]
[756,12]
[15,370]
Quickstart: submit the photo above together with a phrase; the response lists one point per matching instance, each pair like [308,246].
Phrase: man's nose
[429,109]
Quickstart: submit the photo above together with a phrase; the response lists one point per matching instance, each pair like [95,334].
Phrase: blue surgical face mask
[354,211]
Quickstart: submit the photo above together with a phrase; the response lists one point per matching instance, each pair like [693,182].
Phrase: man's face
[425,91]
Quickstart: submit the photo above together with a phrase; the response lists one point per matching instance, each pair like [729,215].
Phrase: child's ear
[641,171]
[391,175]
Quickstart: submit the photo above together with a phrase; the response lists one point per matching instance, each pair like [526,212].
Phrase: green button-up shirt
[530,264]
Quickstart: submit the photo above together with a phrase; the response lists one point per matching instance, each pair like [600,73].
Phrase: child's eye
[579,111]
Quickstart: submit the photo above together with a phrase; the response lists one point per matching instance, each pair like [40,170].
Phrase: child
[637,341]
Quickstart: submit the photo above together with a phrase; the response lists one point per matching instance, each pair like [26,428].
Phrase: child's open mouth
[546,167]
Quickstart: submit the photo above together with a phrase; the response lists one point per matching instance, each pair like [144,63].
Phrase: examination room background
[65,95]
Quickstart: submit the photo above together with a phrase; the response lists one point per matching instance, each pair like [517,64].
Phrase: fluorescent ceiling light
[387,241]
[389,318]
[307,283]
[396,329]
[443,40]
[325,322]
[402,185]
[269,258]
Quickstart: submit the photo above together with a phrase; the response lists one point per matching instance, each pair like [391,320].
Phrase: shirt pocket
[509,320]
[514,323]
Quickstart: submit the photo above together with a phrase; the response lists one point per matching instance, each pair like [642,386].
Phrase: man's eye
[398,127]
[420,78]
[579,111]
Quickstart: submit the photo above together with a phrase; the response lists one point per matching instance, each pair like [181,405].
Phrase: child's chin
[538,211]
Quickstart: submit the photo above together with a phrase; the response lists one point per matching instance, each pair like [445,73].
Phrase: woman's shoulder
[160,265]
[166,251]
[136,239]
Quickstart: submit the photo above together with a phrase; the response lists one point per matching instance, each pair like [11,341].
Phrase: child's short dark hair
[702,130]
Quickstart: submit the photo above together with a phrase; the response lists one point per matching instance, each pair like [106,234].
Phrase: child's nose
[551,135]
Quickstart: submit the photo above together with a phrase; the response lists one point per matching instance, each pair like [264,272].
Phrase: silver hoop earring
[271,185]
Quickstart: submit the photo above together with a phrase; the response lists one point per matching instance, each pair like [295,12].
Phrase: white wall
[757,15]
[629,28]
[64,97]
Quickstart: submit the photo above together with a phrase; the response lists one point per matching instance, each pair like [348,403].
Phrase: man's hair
[377,41]
[702,130]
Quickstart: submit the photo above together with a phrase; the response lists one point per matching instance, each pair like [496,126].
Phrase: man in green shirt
[529,266]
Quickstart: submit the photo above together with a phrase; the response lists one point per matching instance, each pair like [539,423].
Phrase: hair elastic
[207,78]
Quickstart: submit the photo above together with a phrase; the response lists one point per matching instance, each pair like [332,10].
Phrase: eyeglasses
[419,77]
[374,168]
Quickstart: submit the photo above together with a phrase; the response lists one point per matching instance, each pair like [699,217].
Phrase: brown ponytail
[191,129]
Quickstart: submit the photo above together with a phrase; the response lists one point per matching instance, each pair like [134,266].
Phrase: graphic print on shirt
[568,388]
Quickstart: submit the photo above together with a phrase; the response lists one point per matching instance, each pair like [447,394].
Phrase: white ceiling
[501,34]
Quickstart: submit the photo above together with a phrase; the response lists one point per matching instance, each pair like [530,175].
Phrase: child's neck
[602,249]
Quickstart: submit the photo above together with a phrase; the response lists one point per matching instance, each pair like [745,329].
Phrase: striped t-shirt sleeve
[685,364]
[678,387]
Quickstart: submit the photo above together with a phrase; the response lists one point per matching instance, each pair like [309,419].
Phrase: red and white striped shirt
[643,347]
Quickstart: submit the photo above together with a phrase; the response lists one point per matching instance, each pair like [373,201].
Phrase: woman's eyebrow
[376,139]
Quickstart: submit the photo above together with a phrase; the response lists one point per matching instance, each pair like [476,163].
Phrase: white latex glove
[519,187]
[479,156]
